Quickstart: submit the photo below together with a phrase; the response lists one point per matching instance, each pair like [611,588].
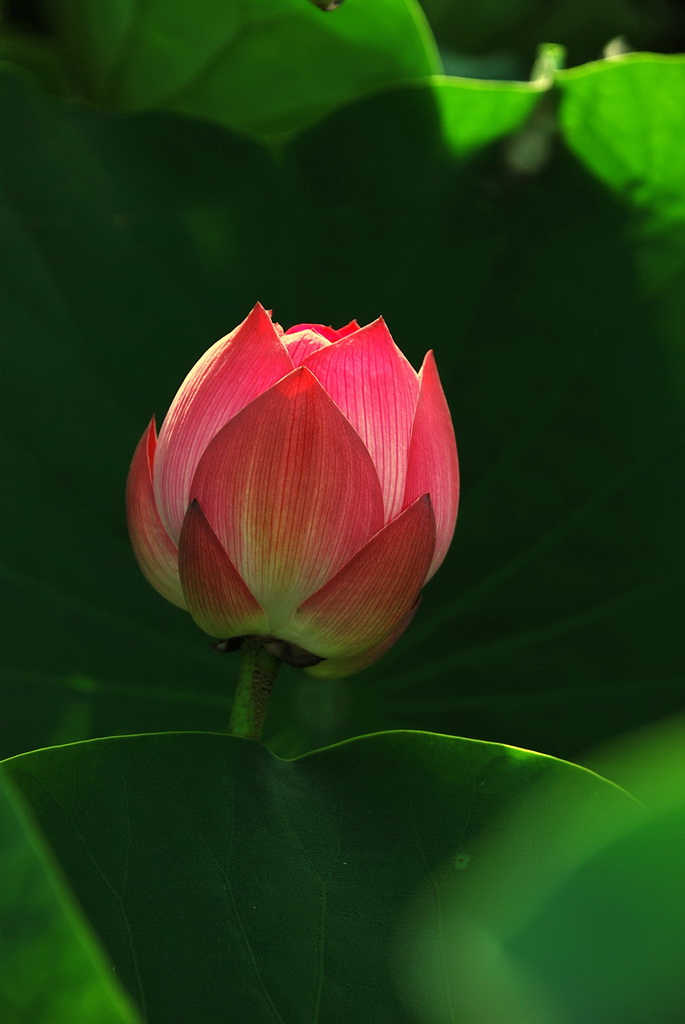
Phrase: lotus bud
[302,490]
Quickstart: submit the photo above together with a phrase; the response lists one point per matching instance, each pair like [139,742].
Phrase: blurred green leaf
[265,67]
[648,762]
[625,119]
[590,932]
[52,967]
[618,957]
[223,880]
[34,57]
[475,113]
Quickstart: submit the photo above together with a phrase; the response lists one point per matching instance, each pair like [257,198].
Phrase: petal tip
[259,316]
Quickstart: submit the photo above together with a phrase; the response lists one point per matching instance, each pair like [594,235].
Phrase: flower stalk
[258,671]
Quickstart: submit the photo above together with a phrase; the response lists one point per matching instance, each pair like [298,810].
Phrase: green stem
[258,671]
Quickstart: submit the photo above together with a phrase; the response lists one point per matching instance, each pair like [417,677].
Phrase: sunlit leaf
[625,119]
[475,113]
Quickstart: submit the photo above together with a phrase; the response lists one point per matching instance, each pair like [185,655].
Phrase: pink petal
[367,377]
[335,668]
[152,546]
[330,333]
[228,376]
[432,466]
[302,344]
[364,602]
[290,491]
[216,595]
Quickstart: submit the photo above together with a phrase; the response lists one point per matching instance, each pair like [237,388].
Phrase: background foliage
[544,269]
[164,166]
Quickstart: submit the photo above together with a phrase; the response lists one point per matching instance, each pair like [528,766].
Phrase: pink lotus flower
[303,488]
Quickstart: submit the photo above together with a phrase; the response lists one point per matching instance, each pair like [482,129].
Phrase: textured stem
[258,671]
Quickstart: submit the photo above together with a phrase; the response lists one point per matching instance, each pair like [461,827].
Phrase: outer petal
[228,376]
[335,668]
[373,592]
[329,333]
[433,464]
[217,596]
[367,377]
[156,553]
[290,491]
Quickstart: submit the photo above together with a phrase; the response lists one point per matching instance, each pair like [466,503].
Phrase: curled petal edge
[155,552]
[432,463]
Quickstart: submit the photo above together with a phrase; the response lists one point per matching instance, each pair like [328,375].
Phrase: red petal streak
[228,376]
[433,465]
[336,668]
[367,377]
[364,602]
[155,552]
[217,596]
[290,491]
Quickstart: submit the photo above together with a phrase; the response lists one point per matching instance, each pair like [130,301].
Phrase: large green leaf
[228,884]
[52,968]
[266,67]
[625,118]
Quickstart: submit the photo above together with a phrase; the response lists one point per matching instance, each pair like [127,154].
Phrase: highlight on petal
[216,595]
[337,668]
[303,343]
[223,381]
[154,550]
[291,492]
[329,333]
[364,602]
[433,466]
[370,380]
